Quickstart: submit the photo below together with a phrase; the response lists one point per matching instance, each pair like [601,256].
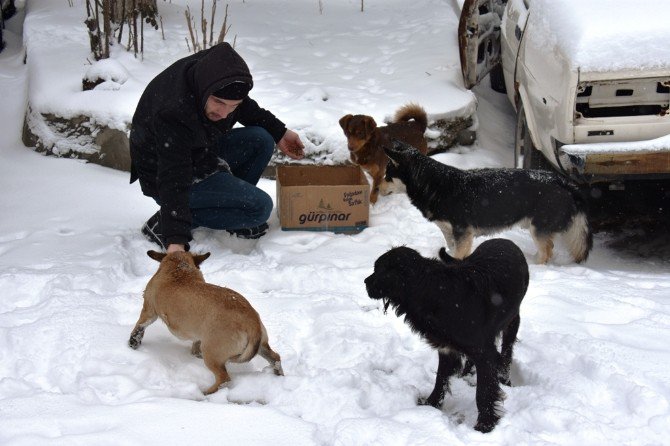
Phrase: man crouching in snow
[188,157]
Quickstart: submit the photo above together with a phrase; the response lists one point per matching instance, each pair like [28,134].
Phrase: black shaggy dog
[459,307]
[467,203]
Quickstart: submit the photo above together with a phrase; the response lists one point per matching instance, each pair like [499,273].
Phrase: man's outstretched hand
[172,247]
[291,145]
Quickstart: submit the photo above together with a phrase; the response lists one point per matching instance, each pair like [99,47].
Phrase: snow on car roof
[605,35]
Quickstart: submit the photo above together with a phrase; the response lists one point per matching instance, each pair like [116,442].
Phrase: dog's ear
[446,258]
[344,122]
[394,150]
[401,146]
[199,258]
[399,149]
[369,124]
[157,256]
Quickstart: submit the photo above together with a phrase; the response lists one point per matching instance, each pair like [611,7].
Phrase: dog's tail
[412,111]
[578,236]
[446,258]
[253,344]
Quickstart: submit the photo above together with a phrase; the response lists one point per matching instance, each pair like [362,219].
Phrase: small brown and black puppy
[365,140]
[221,323]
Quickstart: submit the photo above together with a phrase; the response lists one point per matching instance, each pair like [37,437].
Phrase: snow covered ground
[590,367]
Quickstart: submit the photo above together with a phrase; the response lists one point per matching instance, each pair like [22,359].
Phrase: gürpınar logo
[323,214]
[321,217]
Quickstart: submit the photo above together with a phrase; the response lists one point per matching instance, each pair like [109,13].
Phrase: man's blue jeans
[231,200]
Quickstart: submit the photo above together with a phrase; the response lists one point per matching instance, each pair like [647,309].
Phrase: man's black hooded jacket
[171,139]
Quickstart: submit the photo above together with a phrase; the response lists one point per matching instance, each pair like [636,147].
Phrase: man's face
[217,109]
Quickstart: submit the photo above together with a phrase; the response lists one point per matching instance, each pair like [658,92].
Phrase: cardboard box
[322,198]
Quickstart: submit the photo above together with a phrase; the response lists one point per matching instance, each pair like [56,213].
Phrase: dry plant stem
[224,28]
[135,49]
[106,10]
[211,28]
[203,25]
[142,38]
[189,21]
[123,22]
[97,21]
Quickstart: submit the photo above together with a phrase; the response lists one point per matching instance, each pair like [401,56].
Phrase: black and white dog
[459,307]
[468,203]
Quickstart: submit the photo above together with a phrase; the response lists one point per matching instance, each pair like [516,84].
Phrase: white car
[589,79]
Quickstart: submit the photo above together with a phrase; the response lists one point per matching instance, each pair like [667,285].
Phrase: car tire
[497,79]
[526,155]
[7,9]
[2,26]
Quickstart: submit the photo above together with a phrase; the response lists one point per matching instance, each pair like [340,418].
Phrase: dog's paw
[434,402]
[136,338]
[503,377]
[278,370]
[134,342]
[486,422]
[457,417]
[195,349]
[485,427]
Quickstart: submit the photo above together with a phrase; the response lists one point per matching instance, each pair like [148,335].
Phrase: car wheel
[526,156]
[497,80]
[2,26]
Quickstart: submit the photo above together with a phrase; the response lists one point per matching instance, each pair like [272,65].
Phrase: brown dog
[365,140]
[221,323]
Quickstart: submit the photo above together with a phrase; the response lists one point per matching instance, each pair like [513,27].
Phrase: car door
[479,38]
[513,25]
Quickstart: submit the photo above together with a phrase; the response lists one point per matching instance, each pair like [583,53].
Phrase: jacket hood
[219,66]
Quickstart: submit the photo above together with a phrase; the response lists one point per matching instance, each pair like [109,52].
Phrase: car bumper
[618,160]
